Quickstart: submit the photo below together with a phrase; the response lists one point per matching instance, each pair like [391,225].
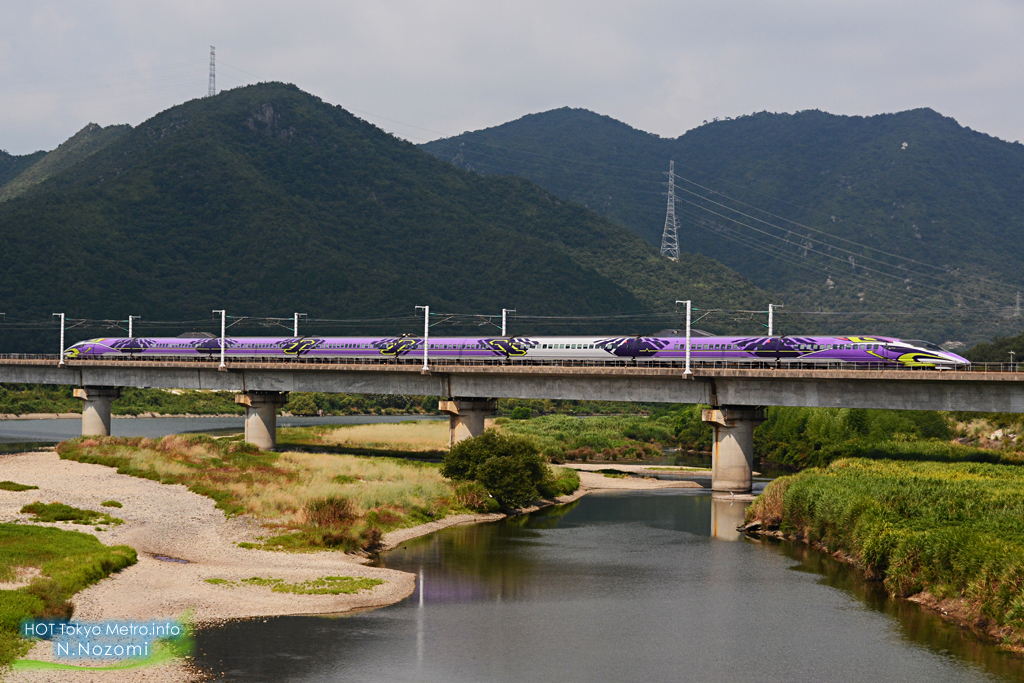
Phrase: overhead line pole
[61,363]
[130,319]
[503,312]
[426,337]
[223,333]
[771,317]
[295,330]
[688,310]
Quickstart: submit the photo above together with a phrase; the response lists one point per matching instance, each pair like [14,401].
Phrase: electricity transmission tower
[213,72]
[670,238]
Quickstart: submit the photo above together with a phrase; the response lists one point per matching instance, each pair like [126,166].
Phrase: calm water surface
[23,434]
[617,587]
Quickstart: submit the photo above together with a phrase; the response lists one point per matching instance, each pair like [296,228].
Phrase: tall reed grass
[423,435]
[952,529]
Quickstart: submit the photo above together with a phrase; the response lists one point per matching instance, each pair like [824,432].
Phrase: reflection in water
[619,587]
[920,627]
[726,515]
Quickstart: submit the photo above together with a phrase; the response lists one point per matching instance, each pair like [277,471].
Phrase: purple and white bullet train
[882,351]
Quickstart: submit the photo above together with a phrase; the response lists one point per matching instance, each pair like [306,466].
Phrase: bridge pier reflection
[726,514]
[467,416]
[261,416]
[732,454]
[96,409]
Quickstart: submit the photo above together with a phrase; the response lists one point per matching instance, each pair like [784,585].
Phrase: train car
[779,350]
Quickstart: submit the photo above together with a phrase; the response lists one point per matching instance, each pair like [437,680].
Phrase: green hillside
[998,351]
[35,168]
[12,166]
[904,212]
[265,200]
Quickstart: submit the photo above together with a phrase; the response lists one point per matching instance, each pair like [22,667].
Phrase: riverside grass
[67,562]
[310,501]
[952,530]
[407,436]
[561,437]
[327,585]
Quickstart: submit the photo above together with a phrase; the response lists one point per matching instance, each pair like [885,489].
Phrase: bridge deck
[914,389]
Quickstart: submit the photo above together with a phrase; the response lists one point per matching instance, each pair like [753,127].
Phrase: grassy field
[950,529]
[423,435]
[308,500]
[622,437]
[58,563]
[417,439]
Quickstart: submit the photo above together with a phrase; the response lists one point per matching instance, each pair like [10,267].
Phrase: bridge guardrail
[442,362]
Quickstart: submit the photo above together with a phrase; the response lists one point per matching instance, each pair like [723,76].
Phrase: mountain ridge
[266,200]
[929,211]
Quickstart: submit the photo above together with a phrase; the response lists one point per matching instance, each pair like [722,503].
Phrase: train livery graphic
[802,350]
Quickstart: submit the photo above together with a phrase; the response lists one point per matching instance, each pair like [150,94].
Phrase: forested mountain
[31,169]
[11,166]
[265,200]
[998,351]
[902,222]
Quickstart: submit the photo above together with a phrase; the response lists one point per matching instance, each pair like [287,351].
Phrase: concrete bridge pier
[467,416]
[96,409]
[732,454]
[261,416]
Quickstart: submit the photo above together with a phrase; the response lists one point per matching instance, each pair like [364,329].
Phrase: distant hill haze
[906,212]
[265,200]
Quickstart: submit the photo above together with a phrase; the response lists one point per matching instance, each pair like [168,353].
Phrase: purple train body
[884,351]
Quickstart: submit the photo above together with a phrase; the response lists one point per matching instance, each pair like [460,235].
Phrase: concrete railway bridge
[468,393]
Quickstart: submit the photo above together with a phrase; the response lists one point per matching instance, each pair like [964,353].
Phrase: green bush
[510,467]
[561,482]
[520,413]
[510,480]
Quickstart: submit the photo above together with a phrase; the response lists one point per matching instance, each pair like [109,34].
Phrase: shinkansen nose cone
[929,353]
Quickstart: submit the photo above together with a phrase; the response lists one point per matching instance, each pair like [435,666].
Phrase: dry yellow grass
[278,488]
[316,500]
[424,435]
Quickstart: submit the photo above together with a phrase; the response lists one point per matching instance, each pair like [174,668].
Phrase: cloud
[453,65]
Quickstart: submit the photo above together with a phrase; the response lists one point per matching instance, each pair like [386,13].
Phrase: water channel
[616,587]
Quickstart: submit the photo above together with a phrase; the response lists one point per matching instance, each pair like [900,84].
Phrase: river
[25,435]
[616,587]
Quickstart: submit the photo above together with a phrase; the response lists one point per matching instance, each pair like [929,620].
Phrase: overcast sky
[425,69]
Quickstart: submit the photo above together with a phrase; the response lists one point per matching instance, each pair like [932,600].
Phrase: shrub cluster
[509,467]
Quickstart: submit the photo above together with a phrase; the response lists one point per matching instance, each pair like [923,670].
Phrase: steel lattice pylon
[670,237]
[213,72]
